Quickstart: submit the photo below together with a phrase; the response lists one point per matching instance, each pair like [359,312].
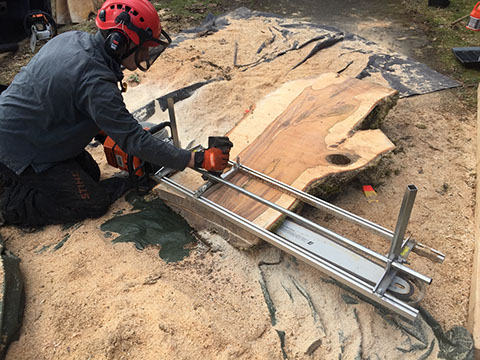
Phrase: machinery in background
[39,26]
[12,17]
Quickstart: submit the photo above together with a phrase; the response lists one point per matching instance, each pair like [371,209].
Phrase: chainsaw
[137,169]
[40,26]
[140,171]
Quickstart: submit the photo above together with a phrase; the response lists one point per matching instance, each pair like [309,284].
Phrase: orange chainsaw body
[118,158]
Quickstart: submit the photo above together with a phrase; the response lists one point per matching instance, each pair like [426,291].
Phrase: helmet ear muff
[116,44]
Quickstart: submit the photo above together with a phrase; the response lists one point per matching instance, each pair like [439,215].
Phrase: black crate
[468,56]
[439,3]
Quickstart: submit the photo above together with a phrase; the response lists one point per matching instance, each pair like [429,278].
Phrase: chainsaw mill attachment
[384,279]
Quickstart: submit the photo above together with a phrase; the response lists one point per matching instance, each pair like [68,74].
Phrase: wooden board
[474,303]
[302,134]
[80,9]
[72,11]
[308,134]
[62,15]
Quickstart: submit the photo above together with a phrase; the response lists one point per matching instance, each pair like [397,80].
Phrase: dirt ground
[435,151]
[91,299]
[94,300]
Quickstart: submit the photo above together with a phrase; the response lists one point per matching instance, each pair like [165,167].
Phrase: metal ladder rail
[327,207]
[387,300]
[323,231]
[316,202]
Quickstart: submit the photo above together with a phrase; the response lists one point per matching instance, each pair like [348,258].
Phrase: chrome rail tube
[320,229]
[387,300]
[318,203]
[326,206]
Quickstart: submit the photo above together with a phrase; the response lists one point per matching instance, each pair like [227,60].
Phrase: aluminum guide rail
[316,202]
[327,207]
[315,227]
[387,300]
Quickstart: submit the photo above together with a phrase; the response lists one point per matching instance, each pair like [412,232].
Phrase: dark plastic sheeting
[152,223]
[416,79]
[12,302]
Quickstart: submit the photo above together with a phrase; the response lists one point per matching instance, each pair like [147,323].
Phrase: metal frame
[317,228]
[339,253]
[173,122]
[333,210]
[387,300]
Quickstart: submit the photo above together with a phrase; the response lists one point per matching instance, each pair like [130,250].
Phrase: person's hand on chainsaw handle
[211,159]
[215,158]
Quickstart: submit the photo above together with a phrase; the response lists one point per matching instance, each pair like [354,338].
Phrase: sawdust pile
[423,126]
[92,299]
[254,56]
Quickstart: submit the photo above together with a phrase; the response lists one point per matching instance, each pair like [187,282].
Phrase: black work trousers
[69,191]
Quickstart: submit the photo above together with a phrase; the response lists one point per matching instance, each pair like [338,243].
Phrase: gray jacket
[61,100]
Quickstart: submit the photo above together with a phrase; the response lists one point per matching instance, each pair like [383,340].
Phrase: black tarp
[12,302]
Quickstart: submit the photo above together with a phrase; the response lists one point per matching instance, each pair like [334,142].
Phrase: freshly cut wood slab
[308,134]
[302,134]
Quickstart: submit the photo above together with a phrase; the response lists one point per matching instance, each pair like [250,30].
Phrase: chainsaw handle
[28,20]
[159,127]
[133,175]
[101,136]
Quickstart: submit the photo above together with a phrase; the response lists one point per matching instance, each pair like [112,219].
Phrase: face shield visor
[150,49]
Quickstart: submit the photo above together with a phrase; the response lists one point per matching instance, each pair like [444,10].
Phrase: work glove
[215,158]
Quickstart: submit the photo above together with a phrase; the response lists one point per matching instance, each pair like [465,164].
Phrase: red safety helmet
[139,22]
